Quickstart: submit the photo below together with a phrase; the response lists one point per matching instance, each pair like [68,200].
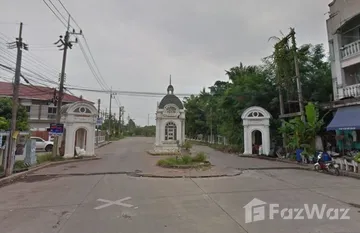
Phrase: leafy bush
[186,159]
[182,160]
[199,157]
[357,158]
[187,145]
[19,165]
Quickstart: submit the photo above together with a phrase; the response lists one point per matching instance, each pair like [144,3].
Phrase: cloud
[137,44]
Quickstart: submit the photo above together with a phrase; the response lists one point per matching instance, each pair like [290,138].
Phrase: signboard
[99,121]
[56,129]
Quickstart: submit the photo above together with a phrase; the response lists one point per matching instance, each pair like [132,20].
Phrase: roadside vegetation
[185,161]
[217,110]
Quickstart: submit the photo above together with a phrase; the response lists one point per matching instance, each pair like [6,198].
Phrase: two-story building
[38,101]
[343,27]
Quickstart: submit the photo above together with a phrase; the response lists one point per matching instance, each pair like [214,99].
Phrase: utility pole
[15,101]
[148,119]
[120,114]
[97,126]
[297,73]
[211,126]
[112,96]
[66,44]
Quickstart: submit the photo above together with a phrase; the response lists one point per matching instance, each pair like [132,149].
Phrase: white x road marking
[110,203]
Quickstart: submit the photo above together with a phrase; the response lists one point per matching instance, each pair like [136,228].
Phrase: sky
[138,44]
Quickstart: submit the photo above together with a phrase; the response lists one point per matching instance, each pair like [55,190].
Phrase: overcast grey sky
[137,44]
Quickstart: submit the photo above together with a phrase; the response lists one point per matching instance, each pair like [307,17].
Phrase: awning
[347,118]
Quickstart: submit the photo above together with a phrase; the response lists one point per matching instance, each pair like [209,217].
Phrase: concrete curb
[16,176]
[184,176]
[180,167]
[131,174]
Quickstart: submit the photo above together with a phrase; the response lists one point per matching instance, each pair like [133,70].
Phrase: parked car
[43,145]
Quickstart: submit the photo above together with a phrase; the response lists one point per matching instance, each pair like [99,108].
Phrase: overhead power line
[124,92]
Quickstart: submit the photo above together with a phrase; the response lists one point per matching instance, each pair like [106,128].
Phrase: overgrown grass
[117,137]
[48,158]
[187,145]
[183,160]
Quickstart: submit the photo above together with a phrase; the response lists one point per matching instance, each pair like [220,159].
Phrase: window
[27,108]
[170,131]
[52,110]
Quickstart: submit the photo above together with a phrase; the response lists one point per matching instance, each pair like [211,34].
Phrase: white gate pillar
[256,118]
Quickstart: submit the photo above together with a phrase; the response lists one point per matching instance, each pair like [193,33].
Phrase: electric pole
[112,96]
[211,126]
[66,44]
[97,126]
[297,73]
[120,114]
[15,101]
[148,119]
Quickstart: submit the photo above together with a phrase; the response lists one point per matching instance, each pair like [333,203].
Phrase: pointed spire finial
[170,89]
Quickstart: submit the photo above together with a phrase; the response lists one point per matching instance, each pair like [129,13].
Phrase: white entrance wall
[79,116]
[256,118]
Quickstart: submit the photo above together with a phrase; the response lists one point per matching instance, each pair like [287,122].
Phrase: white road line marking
[110,203]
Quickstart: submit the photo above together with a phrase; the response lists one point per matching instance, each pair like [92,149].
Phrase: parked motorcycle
[327,166]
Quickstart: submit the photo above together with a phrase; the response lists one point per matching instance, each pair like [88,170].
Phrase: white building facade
[343,27]
[170,123]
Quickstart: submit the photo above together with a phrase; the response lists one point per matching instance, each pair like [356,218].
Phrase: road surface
[100,197]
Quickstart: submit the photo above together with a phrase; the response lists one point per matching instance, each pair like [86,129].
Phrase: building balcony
[349,91]
[350,50]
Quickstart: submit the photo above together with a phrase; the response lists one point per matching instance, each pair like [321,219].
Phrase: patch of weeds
[187,145]
[183,161]
[199,157]
[292,157]
[186,159]
[48,158]
[20,165]
[168,162]
[117,137]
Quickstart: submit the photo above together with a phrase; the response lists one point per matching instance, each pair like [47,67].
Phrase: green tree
[223,103]
[6,114]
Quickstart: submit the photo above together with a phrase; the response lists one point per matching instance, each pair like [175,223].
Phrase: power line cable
[55,13]
[91,67]
[69,14]
[58,11]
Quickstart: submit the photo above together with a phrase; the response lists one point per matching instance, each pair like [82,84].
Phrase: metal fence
[100,138]
[211,139]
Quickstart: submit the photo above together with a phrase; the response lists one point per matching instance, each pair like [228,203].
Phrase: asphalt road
[84,197]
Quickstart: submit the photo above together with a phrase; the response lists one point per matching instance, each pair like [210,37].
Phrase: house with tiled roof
[38,101]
